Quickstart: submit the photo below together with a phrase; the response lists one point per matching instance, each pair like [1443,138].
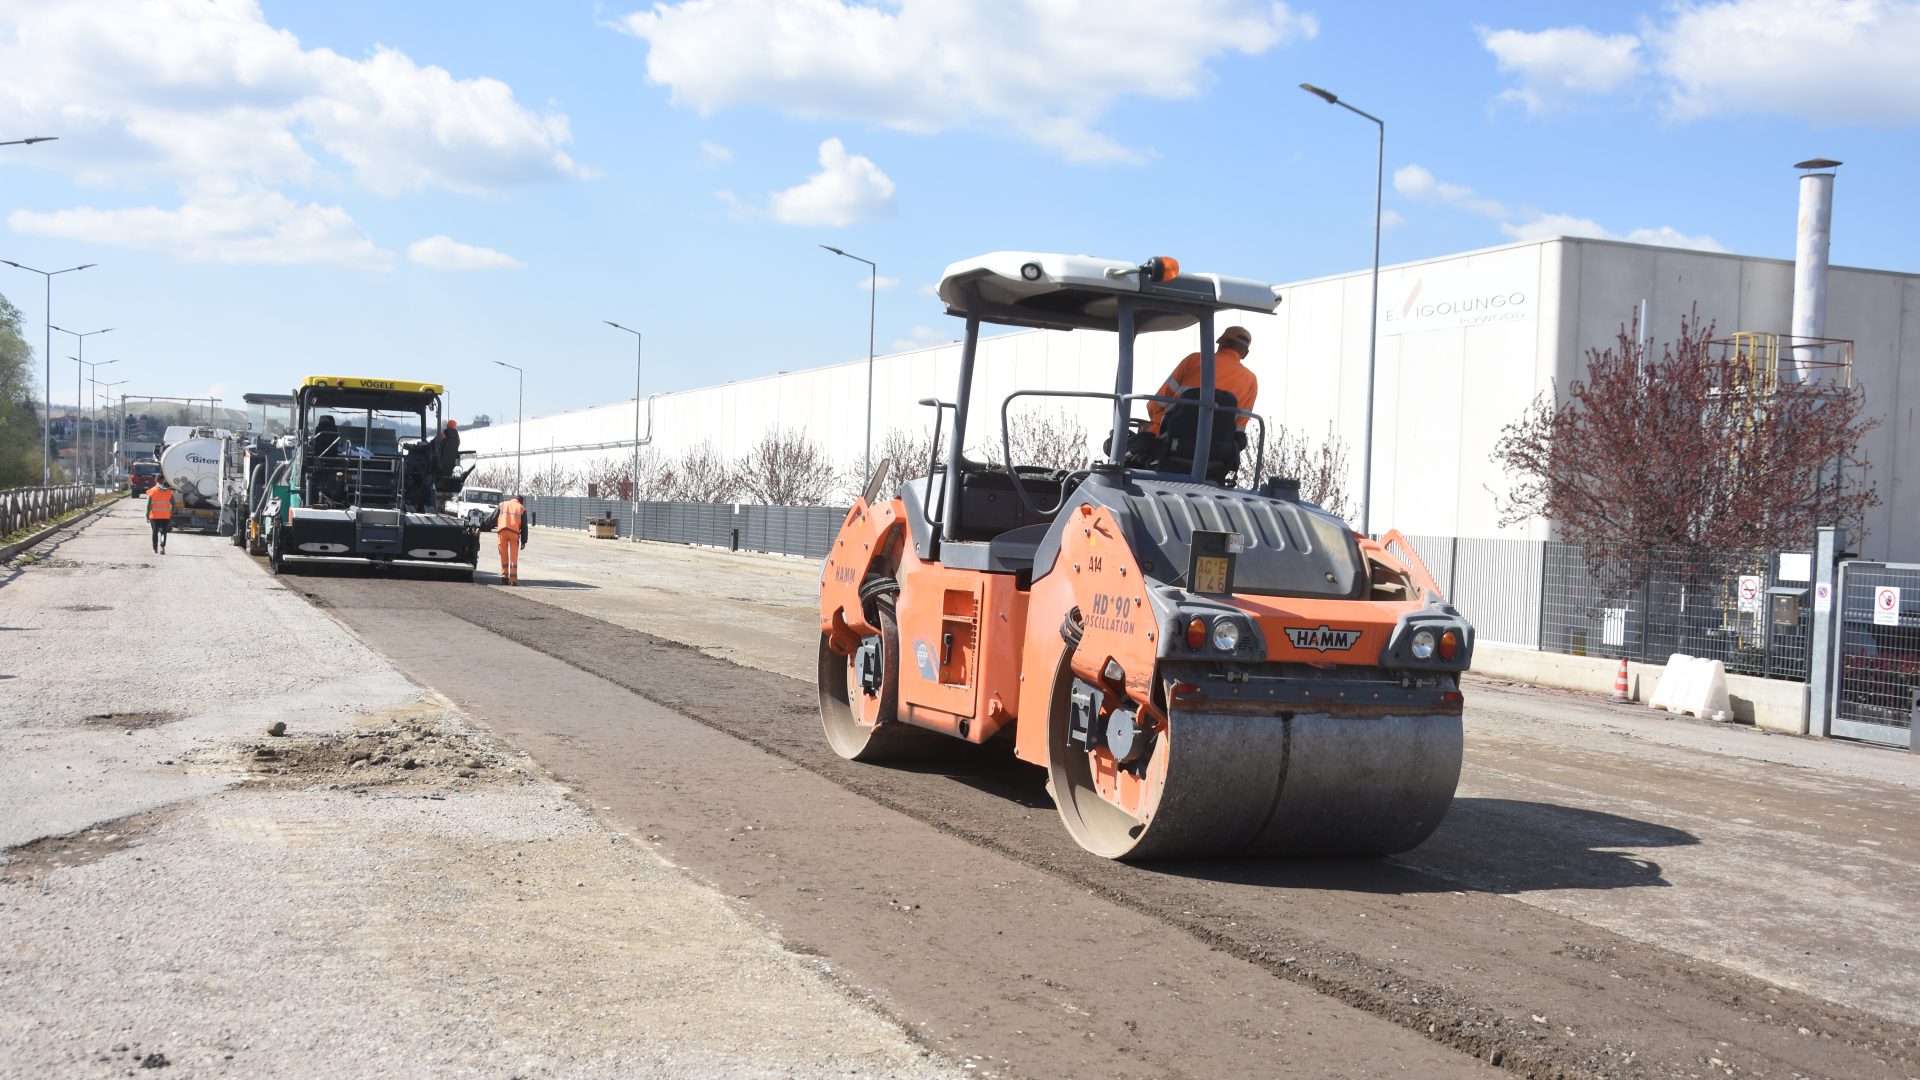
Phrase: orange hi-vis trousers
[510,556]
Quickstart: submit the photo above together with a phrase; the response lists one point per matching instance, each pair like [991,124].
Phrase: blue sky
[277,189]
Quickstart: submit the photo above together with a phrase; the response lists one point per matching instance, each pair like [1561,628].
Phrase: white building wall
[1466,343]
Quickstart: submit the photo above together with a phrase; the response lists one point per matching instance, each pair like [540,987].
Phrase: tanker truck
[205,468]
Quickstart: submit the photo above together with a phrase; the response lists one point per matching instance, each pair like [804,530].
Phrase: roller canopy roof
[391,386]
[1063,292]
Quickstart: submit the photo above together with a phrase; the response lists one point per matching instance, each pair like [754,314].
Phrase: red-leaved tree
[1695,449]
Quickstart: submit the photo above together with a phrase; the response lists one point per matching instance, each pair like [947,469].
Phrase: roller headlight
[1423,645]
[1226,635]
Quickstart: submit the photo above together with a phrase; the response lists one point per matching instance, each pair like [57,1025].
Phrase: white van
[476,505]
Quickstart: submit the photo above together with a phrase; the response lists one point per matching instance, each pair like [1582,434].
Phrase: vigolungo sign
[1451,308]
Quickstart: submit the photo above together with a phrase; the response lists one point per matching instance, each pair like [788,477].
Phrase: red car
[142,476]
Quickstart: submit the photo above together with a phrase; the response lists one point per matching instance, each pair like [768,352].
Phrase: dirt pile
[420,751]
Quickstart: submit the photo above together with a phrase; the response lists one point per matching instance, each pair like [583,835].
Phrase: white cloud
[880,283]
[714,151]
[1557,66]
[921,337]
[1390,218]
[1822,61]
[1527,223]
[1825,61]
[1046,70]
[259,228]
[205,96]
[847,189]
[197,90]
[446,253]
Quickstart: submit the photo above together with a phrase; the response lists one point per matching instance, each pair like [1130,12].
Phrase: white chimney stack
[1810,266]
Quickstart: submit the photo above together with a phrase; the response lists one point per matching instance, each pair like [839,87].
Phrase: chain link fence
[1547,595]
[781,530]
[1879,630]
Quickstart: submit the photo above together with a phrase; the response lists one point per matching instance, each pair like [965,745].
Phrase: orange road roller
[1205,669]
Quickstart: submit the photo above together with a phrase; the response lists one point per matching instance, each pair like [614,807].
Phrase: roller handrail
[1123,400]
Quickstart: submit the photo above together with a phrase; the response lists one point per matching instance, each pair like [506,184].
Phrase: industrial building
[1465,343]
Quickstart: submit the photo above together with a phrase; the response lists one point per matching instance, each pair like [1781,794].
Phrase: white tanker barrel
[191,467]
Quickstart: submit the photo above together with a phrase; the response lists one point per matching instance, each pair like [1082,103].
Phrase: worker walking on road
[160,514]
[1230,373]
[513,536]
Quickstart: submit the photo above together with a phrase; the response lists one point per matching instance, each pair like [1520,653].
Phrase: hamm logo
[1322,640]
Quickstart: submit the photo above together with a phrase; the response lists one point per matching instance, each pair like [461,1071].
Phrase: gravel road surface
[1614,894]
[384,890]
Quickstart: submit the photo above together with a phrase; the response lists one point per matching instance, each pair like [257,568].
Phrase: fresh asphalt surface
[1603,900]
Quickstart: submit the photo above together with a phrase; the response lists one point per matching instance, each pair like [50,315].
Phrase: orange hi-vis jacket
[1230,373]
[513,517]
[160,503]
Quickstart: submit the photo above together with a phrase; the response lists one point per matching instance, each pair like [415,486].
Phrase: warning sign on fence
[1886,606]
[1750,592]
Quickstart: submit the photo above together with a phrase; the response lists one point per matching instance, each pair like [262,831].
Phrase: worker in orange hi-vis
[1230,373]
[160,514]
[513,537]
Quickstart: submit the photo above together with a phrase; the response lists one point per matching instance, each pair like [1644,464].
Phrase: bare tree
[1320,467]
[1045,440]
[698,475]
[908,454]
[785,468]
[553,479]
[1696,449]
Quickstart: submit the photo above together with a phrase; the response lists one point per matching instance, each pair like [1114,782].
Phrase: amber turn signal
[1197,634]
[1449,646]
[1162,268]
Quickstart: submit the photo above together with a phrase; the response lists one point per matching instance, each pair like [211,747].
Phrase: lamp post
[30,140]
[633,473]
[46,353]
[519,423]
[873,300]
[1373,309]
[91,439]
[80,340]
[96,385]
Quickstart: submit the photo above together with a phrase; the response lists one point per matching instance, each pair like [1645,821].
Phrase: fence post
[1827,620]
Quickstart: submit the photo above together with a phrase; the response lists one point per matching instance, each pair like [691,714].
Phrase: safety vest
[159,503]
[1230,373]
[513,517]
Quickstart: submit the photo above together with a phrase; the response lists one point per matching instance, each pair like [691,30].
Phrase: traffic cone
[1620,695]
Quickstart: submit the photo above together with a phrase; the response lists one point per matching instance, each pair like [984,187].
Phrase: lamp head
[1327,96]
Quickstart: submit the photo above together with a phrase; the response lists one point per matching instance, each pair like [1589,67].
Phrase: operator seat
[1180,437]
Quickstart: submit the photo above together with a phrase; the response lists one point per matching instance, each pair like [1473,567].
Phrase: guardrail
[23,508]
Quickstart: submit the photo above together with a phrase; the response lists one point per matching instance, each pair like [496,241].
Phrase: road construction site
[590,826]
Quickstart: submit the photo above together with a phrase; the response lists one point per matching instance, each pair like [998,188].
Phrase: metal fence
[782,530]
[1879,664]
[1494,582]
[1533,594]
[1546,595]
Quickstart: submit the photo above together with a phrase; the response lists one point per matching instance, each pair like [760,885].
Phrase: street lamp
[873,299]
[81,340]
[519,424]
[46,420]
[91,435]
[633,482]
[1373,309]
[95,400]
[30,140]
